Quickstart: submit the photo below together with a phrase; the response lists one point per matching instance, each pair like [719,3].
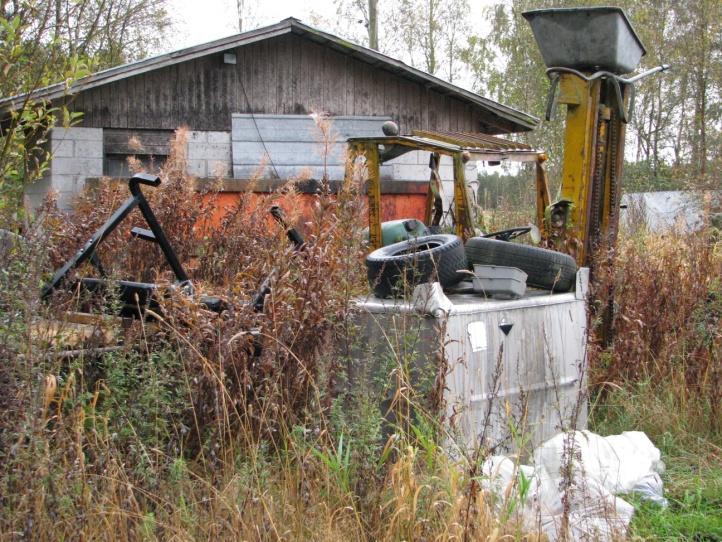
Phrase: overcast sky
[199,21]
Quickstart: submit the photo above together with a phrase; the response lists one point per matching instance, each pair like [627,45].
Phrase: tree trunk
[373,25]
[239,6]
[431,39]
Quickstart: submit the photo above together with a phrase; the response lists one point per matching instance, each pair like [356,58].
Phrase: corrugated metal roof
[473,140]
[479,146]
[521,120]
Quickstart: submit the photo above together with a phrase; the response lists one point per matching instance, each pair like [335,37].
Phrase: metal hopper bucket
[586,39]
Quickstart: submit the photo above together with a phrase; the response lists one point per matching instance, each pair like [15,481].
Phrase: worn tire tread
[546,269]
[386,269]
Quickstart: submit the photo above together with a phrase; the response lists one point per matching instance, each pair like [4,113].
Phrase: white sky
[200,21]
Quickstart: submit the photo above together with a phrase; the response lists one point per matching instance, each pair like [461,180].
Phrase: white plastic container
[499,282]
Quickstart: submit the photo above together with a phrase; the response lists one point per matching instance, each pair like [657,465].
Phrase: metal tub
[586,39]
[506,364]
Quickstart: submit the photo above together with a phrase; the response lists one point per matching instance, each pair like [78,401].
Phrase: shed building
[249,101]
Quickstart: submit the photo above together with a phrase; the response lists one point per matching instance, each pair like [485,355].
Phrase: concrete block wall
[293,141]
[209,154]
[77,153]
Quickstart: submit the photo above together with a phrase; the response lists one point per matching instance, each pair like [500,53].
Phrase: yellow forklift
[587,50]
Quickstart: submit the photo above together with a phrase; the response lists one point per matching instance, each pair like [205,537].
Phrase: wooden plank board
[180,95]
[404,100]
[334,87]
[424,108]
[305,83]
[356,104]
[240,80]
[79,102]
[113,109]
[316,74]
[298,76]
[103,108]
[284,64]
[377,89]
[435,110]
[191,99]
[76,103]
[328,81]
[132,100]
[148,98]
[391,95]
[117,141]
[120,105]
[198,118]
[414,106]
[288,74]
[259,90]
[350,86]
[215,97]
[159,101]
[271,79]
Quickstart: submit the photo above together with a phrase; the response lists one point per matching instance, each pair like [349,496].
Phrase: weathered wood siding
[287,74]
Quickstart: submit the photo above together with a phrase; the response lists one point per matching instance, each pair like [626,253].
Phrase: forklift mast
[599,104]
[587,214]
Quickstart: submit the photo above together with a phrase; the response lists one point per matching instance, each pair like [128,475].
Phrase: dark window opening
[119,165]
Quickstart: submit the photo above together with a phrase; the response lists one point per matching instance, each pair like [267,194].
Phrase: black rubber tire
[412,262]
[546,269]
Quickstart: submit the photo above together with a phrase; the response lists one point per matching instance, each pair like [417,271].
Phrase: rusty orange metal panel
[394,206]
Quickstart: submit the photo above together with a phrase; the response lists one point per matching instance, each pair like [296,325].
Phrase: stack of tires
[444,258]
[401,266]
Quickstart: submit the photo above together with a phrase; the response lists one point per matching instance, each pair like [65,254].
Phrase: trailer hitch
[134,296]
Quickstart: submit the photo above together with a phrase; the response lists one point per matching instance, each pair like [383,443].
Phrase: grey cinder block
[197,136]
[77,133]
[88,167]
[63,148]
[209,151]
[219,137]
[197,168]
[218,168]
[89,149]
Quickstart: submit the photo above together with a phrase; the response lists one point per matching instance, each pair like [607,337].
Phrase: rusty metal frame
[461,147]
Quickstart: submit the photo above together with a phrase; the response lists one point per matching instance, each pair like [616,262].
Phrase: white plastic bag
[573,481]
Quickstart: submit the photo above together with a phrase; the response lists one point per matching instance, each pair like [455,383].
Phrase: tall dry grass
[667,330]
[182,432]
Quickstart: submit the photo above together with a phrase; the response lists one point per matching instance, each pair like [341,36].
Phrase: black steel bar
[142,233]
[292,234]
[152,221]
[87,251]
[264,289]
[259,299]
